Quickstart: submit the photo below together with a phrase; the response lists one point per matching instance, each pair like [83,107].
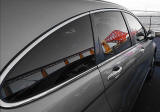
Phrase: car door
[59,74]
[138,36]
[117,57]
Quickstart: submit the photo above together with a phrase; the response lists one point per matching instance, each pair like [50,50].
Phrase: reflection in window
[112,32]
[113,40]
[60,57]
[135,27]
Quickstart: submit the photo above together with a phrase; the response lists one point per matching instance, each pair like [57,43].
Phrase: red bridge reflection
[116,36]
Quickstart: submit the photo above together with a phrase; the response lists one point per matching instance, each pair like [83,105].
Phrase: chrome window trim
[114,57]
[15,104]
[104,10]
[10,66]
[136,19]
[20,56]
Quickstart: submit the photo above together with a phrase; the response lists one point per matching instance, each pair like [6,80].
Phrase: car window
[111,32]
[61,56]
[136,29]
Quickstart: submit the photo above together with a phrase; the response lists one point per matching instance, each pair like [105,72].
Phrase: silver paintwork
[73,97]
[118,89]
[5,72]
[9,105]
[84,78]
[22,21]
[13,63]
[114,57]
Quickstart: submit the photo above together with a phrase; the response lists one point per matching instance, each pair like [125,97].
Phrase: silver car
[71,56]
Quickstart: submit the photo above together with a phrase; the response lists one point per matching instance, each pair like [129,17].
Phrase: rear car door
[117,58]
[59,74]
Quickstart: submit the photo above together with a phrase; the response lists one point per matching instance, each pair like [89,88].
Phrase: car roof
[22,21]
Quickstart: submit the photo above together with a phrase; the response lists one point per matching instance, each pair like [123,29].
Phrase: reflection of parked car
[71,56]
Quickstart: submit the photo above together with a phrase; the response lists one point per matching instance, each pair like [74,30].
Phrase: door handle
[142,49]
[115,73]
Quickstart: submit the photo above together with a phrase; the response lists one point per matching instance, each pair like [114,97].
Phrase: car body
[43,68]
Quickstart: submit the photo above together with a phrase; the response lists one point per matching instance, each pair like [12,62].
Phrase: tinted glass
[111,32]
[137,31]
[61,56]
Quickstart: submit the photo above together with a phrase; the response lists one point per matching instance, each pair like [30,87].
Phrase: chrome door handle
[142,50]
[115,73]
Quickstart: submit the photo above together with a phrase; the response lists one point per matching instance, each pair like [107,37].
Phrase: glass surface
[61,56]
[111,32]
[137,31]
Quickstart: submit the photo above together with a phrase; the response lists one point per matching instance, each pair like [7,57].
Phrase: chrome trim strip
[110,59]
[11,105]
[5,72]
[14,62]
[103,10]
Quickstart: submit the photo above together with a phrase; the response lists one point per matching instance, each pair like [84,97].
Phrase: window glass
[137,31]
[61,56]
[111,32]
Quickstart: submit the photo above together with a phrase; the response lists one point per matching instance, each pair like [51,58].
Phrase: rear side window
[112,33]
[61,56]
[137,31]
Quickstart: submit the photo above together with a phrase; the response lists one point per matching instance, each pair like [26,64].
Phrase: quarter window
[111,32]
[61,56]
